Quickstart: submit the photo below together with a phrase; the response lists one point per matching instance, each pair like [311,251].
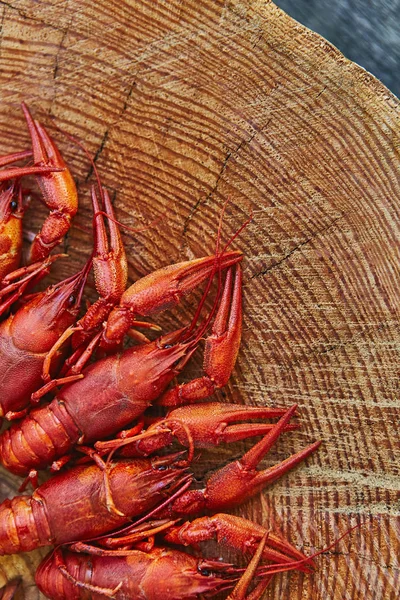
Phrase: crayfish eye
[71,300]
[167,346]
[162,468]
[204,572]
[13,205]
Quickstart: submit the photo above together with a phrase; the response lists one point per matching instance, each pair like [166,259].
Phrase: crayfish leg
[136,535]
[32,478]
[48,387]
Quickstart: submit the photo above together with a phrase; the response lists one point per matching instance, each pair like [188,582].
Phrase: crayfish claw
[58,189]
[221,348]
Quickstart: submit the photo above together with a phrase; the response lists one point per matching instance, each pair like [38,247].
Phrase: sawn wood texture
[185,104]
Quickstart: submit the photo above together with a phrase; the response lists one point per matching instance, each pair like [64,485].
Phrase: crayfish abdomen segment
[23,525]
[44,435]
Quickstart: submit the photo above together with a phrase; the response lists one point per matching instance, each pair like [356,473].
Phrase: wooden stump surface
[185,104]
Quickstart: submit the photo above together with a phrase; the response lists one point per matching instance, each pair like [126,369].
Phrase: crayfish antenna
[17,172]
[306,561]
[14,157]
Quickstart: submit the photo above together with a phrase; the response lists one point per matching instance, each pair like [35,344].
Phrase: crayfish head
[185,575]
[145,371]
[11,202]
[42,320]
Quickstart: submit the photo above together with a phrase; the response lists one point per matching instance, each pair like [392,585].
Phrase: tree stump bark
[185,104]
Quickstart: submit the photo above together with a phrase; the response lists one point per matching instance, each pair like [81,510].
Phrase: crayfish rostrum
[116,504]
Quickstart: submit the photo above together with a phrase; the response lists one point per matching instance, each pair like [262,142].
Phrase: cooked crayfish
[146,575]
[28,335]
[91,507]
[88,501]
[59,195]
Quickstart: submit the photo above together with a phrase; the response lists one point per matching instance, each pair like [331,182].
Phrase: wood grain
[185,104]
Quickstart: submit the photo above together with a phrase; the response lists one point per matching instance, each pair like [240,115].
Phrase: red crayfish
[27,335]
[105,508]
[58,193]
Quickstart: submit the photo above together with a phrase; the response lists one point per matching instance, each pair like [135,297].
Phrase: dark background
[366,31]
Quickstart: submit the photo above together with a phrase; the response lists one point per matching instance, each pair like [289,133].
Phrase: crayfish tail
[46,434]
[23,525]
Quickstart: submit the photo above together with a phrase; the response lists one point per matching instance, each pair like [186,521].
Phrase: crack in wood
[98,153]
[109,128]
[60,47]
[209,195]
[296,248]
[229,154]
[2,27]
